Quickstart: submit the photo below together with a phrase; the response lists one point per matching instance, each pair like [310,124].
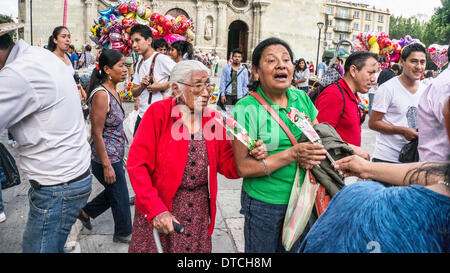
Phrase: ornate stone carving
[209,28]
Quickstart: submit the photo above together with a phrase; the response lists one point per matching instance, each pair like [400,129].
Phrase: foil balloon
[95,30]
[190,35]
[173,37]
[115,37]
[395,58]
[132,6]
[106,12]
[93,38]
[117,45]
[103,20]
[104,39]
[144,12]
[438,54]
[128,23]
[141,21]
[131,15]
[123,9]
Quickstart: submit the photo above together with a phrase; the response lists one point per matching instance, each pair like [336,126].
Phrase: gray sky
[406,8]
[397,7]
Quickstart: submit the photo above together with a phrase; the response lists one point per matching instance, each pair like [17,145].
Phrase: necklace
[444,183]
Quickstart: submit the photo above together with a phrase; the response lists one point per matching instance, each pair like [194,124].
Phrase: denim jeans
[263,226]
[115,196]
[53,211]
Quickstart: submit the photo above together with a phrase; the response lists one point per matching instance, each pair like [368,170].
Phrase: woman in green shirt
[265,196]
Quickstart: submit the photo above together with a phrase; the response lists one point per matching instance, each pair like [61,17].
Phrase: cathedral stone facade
[219,25]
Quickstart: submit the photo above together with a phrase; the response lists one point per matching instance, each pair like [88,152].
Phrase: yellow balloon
[375,48]
[148,13]
[131,14]
[372,40]
[94,29]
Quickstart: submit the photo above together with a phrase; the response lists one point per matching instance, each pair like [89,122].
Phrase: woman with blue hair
[369,217]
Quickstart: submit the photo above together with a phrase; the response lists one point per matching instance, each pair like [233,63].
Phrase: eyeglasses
[199,87]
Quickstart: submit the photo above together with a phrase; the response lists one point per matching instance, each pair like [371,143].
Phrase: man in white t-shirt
[148,89]
[40,105]
[394,112]
[433,144]
[374,88]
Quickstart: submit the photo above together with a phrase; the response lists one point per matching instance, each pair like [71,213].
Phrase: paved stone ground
[227,237]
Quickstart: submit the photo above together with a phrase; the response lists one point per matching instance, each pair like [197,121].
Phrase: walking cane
[179,228]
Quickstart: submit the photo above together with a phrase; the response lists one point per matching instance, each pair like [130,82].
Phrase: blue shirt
[73,58]
[321,66]
[242,81]
[368,217]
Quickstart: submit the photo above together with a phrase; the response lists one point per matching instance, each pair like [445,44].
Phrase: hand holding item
[260,151]
[308,155]
[145,81]
[410,133]
[354,166]
[163,222]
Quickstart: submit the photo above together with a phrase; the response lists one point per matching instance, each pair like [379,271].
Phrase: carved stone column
[221,37]
[199,24]
[256,25]
[262,9]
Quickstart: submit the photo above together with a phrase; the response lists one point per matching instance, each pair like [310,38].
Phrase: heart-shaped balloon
[438,54]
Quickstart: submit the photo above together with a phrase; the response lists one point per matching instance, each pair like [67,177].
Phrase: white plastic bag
[128,126]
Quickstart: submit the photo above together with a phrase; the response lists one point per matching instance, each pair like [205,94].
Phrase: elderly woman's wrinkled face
[194,92]
[275,69]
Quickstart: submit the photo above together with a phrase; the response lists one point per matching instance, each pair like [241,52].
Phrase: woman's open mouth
[282,76]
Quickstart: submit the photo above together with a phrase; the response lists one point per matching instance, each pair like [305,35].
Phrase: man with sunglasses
[339,104]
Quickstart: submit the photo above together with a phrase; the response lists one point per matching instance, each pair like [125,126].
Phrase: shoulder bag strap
[236,77]
[343,97]
[152,80]
[275,116]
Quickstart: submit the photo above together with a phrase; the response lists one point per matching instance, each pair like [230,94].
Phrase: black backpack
[314,94]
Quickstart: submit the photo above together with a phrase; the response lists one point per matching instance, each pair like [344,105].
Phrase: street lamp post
[320,26]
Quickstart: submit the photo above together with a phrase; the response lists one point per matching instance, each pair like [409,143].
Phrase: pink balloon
[174,37]
[438,54]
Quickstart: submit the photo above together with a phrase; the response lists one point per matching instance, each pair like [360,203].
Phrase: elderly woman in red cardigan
[173,163]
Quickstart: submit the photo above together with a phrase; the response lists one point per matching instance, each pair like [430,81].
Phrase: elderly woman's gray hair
[182,72]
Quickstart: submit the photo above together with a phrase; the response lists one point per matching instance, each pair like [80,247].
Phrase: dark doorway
[238,38]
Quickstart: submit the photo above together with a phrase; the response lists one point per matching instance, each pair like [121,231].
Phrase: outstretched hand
[354,166]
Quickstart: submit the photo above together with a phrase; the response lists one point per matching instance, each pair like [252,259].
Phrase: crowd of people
[179,146]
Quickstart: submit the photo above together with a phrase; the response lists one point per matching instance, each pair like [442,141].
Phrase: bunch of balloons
[112,28]
[380,44]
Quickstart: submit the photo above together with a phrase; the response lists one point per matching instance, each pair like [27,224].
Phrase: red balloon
[123,9]
[128,22]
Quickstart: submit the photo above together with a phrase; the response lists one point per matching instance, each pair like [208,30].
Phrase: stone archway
[176,11]
[238,38]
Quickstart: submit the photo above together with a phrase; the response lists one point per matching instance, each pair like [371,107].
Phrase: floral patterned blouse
[113,132]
